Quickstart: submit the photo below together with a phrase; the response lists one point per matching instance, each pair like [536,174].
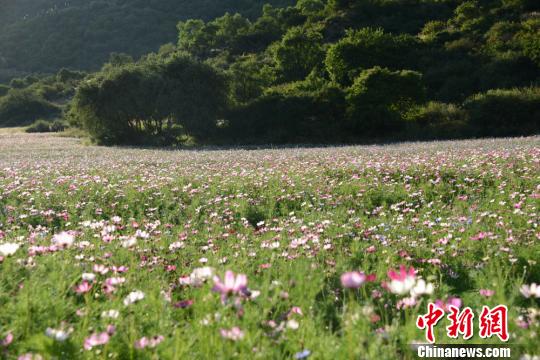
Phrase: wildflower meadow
[296,253]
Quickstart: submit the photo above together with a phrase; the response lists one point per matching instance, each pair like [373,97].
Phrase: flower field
[323,253]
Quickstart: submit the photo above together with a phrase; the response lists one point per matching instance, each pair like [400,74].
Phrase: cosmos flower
[96,339]
[403,281]
[304,354]
[421,288]
[445,305]
[7,340]
[110,314]
[30,356]
[8,249]
[133,297]
[83,287]
[63,239]
[200,275]
[233,334]
[148,342]
[531,290]
[88,276]
[487,292]
[231,284]
[353,279]
[58,334]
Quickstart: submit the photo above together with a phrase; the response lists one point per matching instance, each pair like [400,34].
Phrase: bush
[505,112]
[379,100]
[437,120]
[58,126]
[22,107]
[40,126]
[366,48]
[4,90]
[308,111]
[151,102]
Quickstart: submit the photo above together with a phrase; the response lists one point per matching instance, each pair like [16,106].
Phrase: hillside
[46,35]
[319,71]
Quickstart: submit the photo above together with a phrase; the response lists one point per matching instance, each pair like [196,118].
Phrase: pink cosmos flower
[30,356]
[63,239]
[183,304]
[403,281]
[83,287]
[96,339]
[7,340]
[353,279]
[233,334]
[445,305]
[101,269]
[231,284]
[146,342]
[487,292]
[113,281]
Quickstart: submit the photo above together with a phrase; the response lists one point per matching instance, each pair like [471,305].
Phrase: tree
[298,53]
[366,48]
[379,99]
[151,101]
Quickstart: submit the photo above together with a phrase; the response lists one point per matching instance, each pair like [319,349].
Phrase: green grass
[420,205]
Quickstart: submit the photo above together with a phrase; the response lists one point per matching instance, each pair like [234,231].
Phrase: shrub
[58,126]
[379,100]
[366,48]
[505,112]
[22,107]
[154,100]
[308,111]
[437,120]
[4,90]
[39,126]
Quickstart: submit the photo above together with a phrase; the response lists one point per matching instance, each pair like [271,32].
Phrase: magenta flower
[403,281]
[183,304]
[83,287]
[146,342]
[7,340]
[96,339]
[353,279]
[233,334]
[454,301]
[487,292]
[230,285]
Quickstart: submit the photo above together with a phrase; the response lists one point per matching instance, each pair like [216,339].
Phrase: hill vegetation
[322,71]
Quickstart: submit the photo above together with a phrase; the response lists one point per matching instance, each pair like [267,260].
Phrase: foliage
[22,107]
[39,126]
[92,225]
[366,48]
[380,98]
[151,101]
[510,112]
[395,69]
[47,35]
[436,120]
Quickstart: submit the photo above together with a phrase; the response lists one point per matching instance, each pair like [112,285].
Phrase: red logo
[491,322]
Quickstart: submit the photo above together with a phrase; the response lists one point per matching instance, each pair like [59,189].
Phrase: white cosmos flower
[63,239]
[401,287]
[111,314]
[88,276]
[133,297]
[421,288]
[8,249]
[58,334]
[129,242]
[199,275]
[532,290]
